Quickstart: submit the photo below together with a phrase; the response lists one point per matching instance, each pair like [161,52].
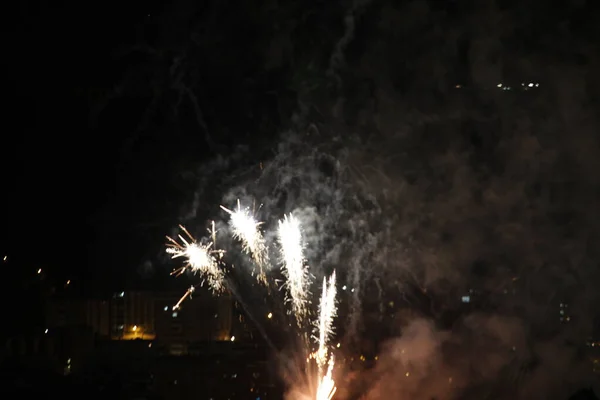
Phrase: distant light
[166,308]
[232,339]
[68,282]
[537,85]
[5,258]
[122,294]
[134,328]
[408,373]
[530,84]
[46,331]
[338,345]
[270,315]
[352,290]
[174,314]
[466,299]
[39,271]
[344,287]
[499,85]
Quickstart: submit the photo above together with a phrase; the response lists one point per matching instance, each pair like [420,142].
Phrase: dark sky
[60,173]
[96,157]
[86,167]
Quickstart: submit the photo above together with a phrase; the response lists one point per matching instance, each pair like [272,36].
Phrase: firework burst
[203,258]
[199,258]
[246,229]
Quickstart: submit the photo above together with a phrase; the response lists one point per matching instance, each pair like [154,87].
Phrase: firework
[247,229]
[294,268]
[324,324]
[203,258]
[199,258]
[326,388]
[187,294]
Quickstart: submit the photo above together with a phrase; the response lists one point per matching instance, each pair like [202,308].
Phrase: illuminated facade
[132,316]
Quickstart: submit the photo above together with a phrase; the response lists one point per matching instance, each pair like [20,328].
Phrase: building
[150,316]
[202,318]
[132,316]
[97,316]
[68,312]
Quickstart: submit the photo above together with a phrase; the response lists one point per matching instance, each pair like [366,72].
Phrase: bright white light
[324,325]
[327,388]
[199,258]
[294,269]
[246,229]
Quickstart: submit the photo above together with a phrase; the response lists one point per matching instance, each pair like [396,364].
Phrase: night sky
[431,147]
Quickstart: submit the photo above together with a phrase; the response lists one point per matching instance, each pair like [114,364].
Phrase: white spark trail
[327,314]
[246,229]
[293,265]
[327,387]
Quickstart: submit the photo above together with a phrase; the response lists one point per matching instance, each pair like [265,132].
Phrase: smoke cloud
[461,217]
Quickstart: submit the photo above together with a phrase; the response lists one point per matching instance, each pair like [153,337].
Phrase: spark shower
[205,259]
